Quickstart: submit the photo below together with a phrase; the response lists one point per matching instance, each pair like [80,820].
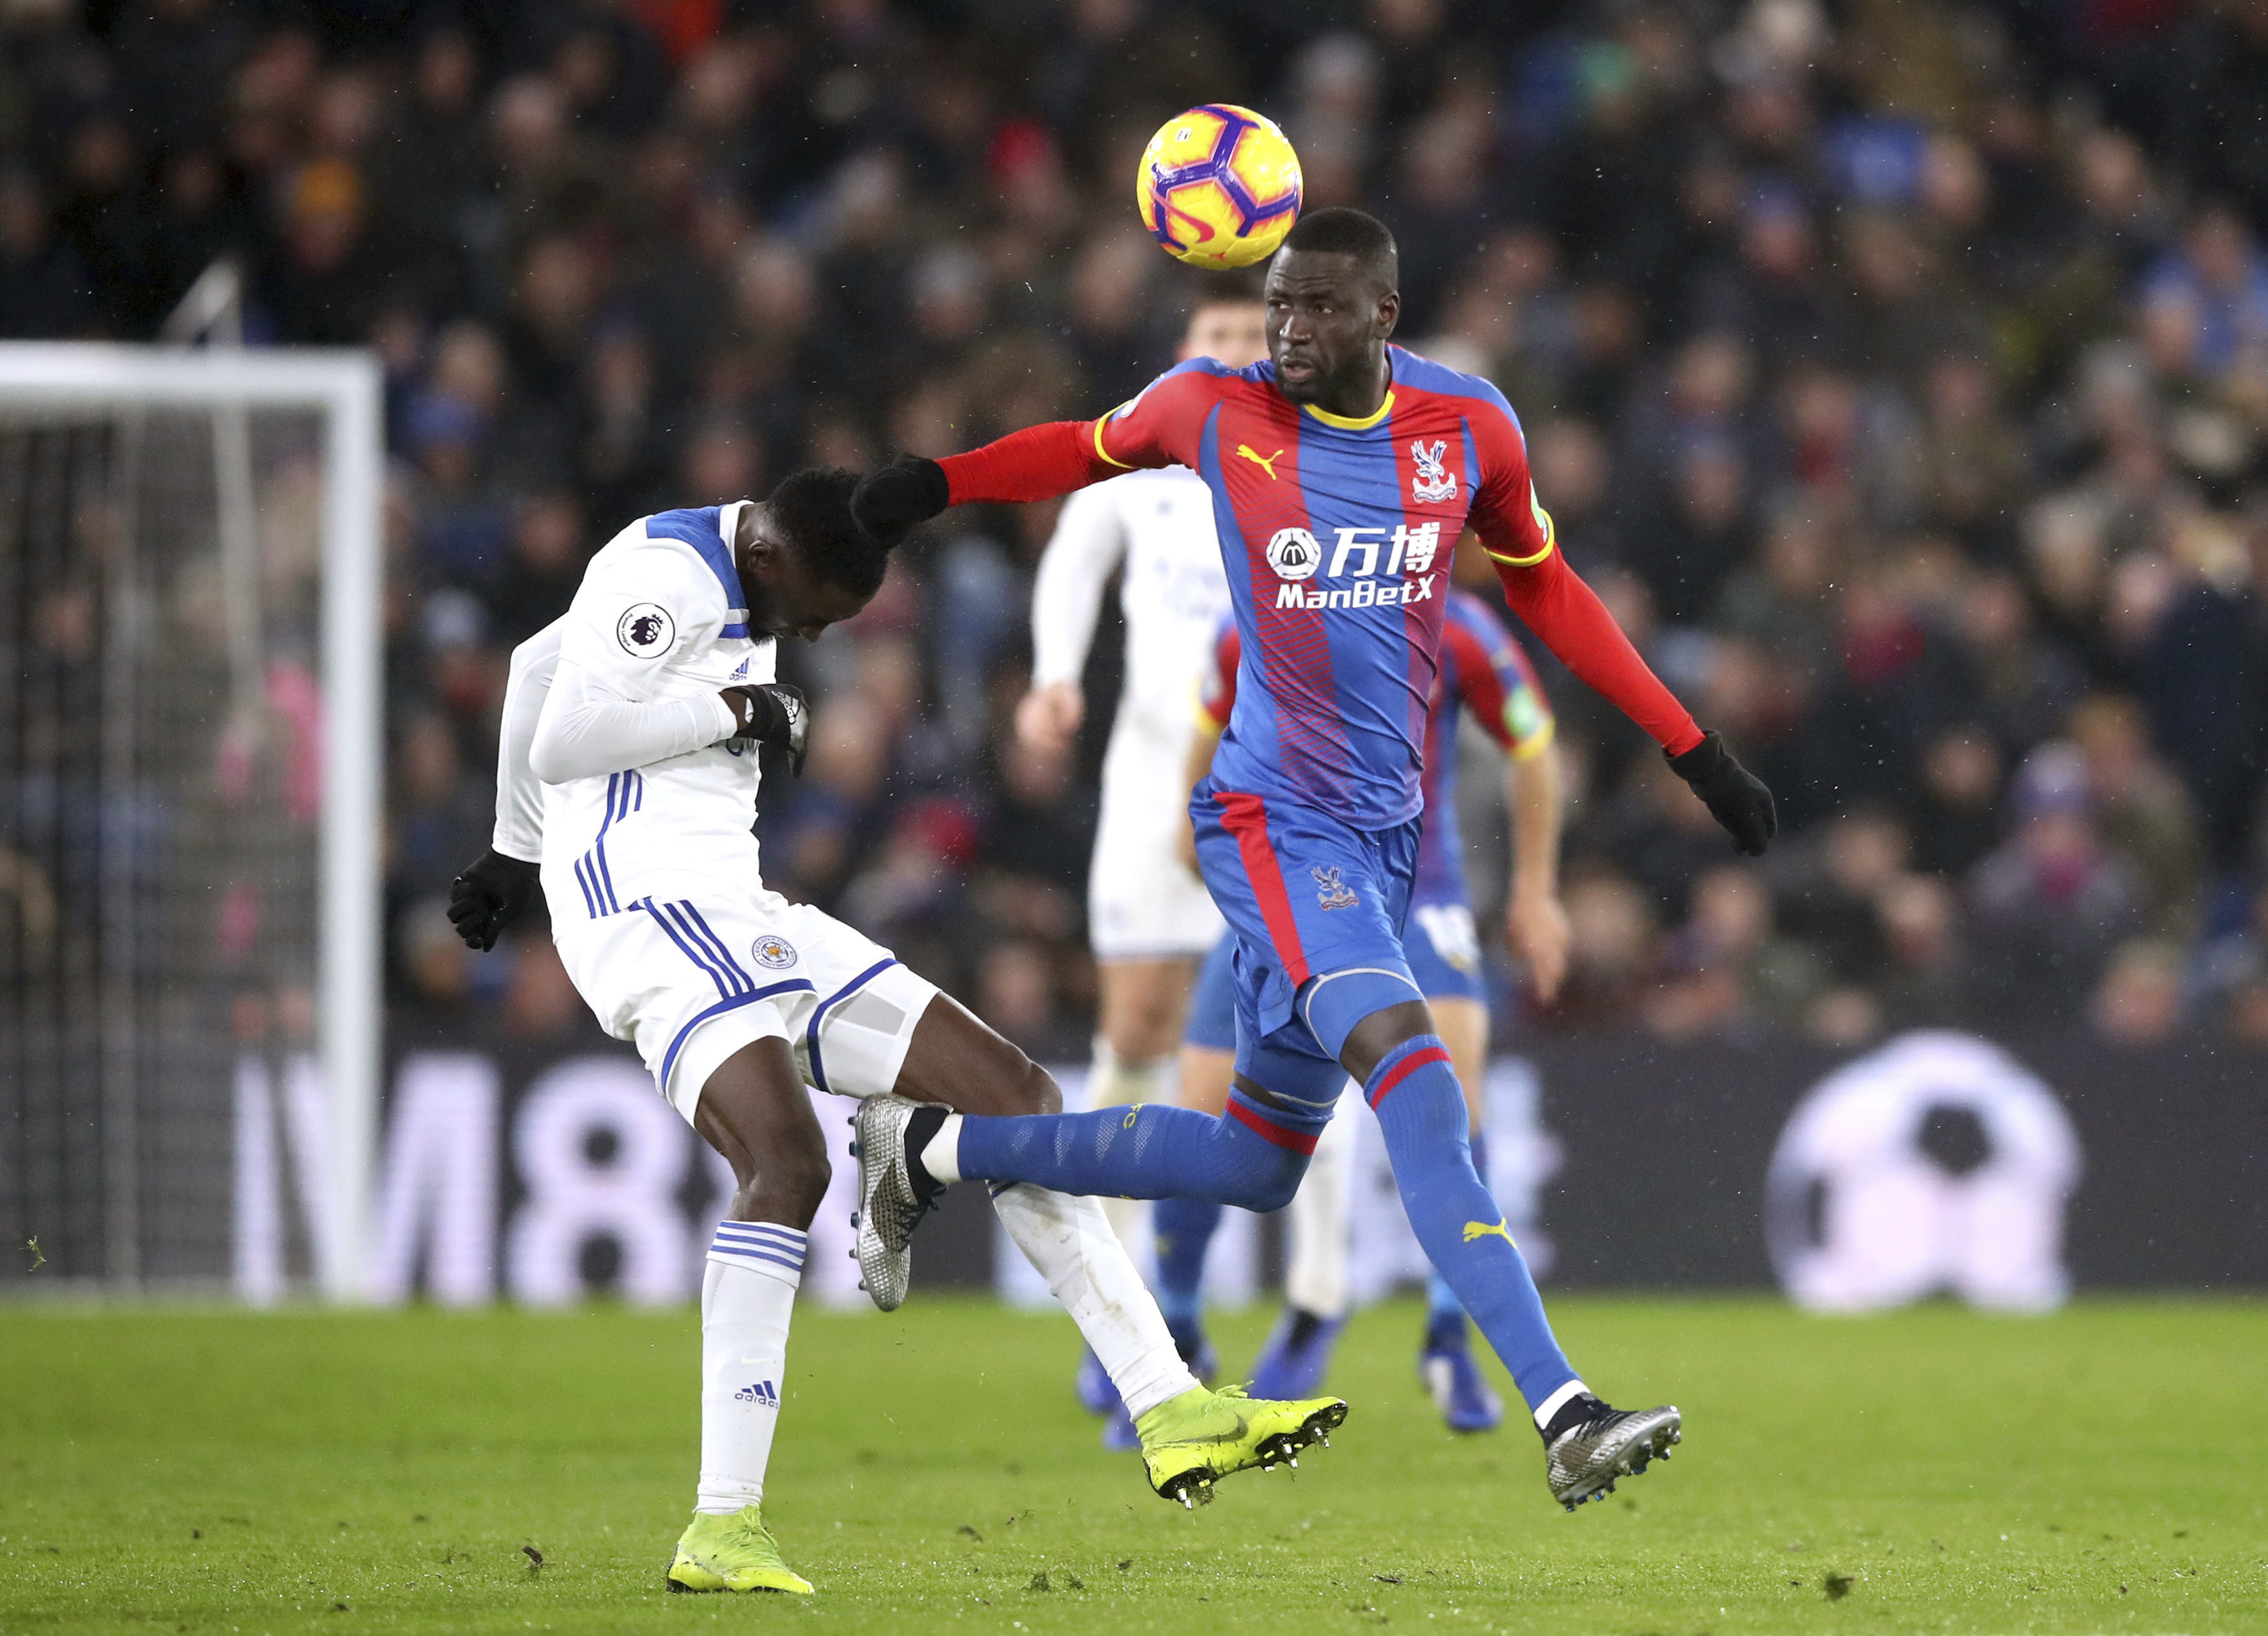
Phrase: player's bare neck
[1361,395]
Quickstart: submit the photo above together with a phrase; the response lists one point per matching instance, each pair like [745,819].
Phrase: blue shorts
[1444,948]
[1305,897]
[1439,943]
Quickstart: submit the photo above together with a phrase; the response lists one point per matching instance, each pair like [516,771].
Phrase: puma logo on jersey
[1266,462]
[1482,1229]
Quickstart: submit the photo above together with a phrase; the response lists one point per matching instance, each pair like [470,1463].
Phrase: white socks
[1316,1280]
[1071,1246]
[1115,1084]
[1080,1247]
[748,1295]
[1129,1220]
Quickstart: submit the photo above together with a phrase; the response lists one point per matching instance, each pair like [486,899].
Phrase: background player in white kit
[641,711]
[1150,920]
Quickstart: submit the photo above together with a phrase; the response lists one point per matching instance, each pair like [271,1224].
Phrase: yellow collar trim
[1349,423]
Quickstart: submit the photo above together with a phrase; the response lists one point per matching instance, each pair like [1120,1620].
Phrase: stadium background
[1899,373]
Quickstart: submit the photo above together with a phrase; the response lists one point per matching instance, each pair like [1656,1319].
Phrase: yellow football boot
[733,1552]
[1191,1441]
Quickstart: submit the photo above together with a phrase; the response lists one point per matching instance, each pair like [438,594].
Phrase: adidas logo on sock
[761,1394]
[742,672]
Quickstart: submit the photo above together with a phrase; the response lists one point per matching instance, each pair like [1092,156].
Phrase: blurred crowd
[1898,369]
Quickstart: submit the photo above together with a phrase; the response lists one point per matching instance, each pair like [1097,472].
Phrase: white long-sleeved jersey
[613,708]
[1174,590]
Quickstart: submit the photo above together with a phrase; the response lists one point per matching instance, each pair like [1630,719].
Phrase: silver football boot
[890,1204]
[1584,1461]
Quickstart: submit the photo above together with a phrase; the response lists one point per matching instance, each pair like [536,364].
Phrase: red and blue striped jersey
[1337,534]
[1482,670]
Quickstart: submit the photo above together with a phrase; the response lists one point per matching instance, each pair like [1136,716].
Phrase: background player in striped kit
[1485,675]
[1150,920]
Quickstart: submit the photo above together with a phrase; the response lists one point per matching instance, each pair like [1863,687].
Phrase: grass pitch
[1936,1471]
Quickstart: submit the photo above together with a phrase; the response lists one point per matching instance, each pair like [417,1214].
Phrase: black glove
[1736,797]
[488,896]
[908,491]
[772,712]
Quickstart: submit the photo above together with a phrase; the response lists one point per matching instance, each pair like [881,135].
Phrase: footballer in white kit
[1156,527]
[653,870]
[1150,919]
[627,782]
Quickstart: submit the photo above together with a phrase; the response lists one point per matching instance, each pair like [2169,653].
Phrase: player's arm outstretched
[1551,599]
[1158,428]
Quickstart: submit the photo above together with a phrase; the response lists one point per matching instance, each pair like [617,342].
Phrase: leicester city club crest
[774,951]
[1330,891]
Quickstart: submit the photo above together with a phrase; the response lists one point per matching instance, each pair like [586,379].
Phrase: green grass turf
[210,1472]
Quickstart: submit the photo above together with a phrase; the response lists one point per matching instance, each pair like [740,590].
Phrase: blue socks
[1184,1229]
[1421,1113]
[1254,1156]
[1251,1156]
[1445,1313]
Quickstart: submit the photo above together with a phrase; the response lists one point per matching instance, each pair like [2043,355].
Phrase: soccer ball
[1219,187]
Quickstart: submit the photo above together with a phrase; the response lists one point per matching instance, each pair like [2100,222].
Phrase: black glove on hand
[772,712]
[488,896]
[1736,797]
[908,491]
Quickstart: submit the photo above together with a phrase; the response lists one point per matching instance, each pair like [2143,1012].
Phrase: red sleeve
[1512,528]
[1574,624]
[1553,600]
[1473,678]
[1479,683]
[1495,679]
[1158,428]
[1160,425]
[1037,463]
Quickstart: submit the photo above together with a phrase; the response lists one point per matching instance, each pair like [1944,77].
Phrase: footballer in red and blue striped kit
[1343,471]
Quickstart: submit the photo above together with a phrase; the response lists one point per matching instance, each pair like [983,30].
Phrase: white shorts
[692,980]
[1143,902]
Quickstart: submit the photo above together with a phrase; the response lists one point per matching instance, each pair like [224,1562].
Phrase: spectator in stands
[1913,416]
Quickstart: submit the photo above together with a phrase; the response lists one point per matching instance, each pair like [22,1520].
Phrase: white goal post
[48,384]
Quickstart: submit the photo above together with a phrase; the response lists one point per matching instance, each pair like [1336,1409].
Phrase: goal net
[189,806]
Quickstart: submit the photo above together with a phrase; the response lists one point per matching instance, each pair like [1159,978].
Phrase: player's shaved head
[1335,230]
[804,563]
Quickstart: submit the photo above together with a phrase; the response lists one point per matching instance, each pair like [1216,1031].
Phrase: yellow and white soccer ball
[1219,187]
